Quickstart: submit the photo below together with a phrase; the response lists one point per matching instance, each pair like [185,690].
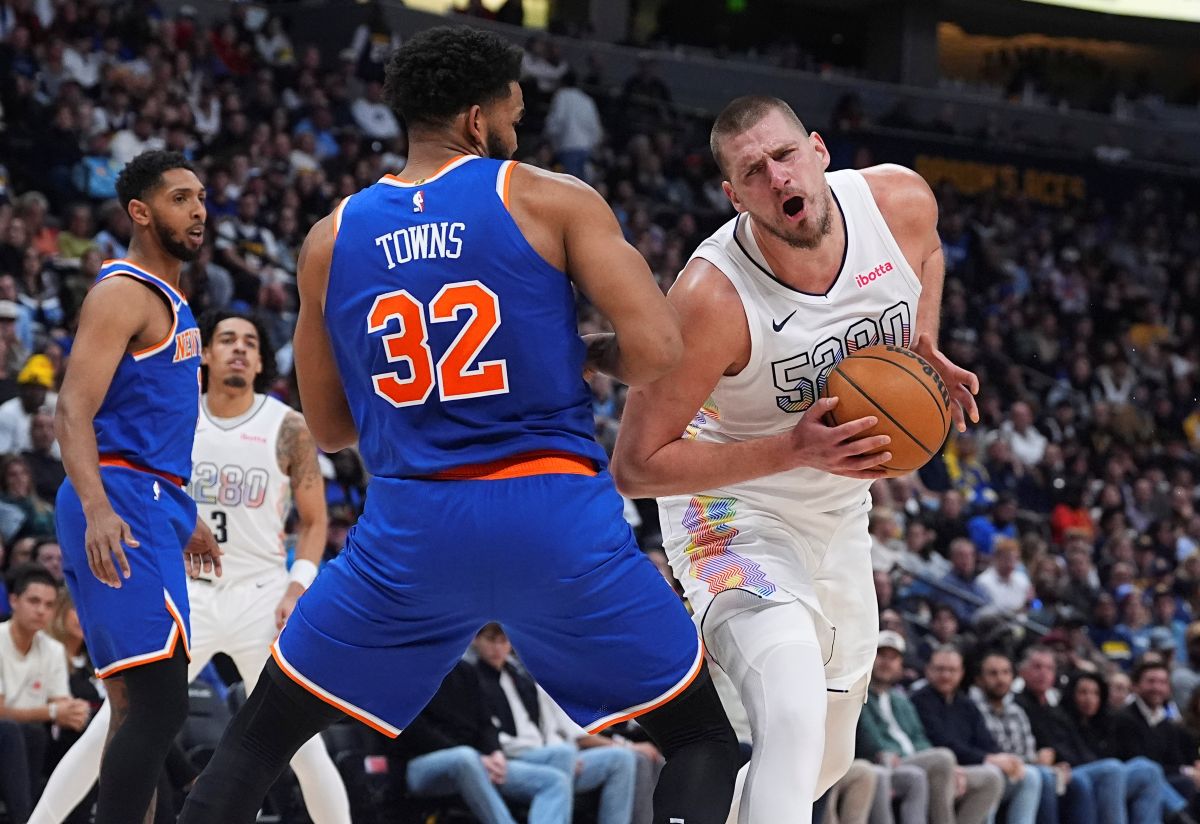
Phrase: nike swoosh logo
[778,325]
[261,585]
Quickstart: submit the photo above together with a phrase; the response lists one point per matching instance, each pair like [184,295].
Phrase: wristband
[303,572]
[53,709]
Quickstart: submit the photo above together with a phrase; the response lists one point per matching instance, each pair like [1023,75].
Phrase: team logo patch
[419,201]
[709,522]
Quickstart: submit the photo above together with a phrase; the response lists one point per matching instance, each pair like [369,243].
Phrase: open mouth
[196,233]
[793,206]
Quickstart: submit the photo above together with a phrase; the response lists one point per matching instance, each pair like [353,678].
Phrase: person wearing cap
[35,384]
[1186,676]
[890,733]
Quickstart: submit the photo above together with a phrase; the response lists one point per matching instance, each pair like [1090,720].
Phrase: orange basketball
[904,392]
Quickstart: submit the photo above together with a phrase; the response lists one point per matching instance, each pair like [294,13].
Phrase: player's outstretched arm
[297,454]
[321,392]
[611,273]
[116,311]
[652,458]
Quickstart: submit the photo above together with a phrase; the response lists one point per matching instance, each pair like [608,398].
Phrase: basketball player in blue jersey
[129,532]
[437,329]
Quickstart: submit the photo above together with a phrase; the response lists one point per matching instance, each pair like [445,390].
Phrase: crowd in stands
[1038,581]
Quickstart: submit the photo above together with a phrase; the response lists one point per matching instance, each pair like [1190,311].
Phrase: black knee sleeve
[277,718]
[703,756]
[158,706]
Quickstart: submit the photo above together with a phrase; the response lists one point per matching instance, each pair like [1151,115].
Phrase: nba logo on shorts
[419,201]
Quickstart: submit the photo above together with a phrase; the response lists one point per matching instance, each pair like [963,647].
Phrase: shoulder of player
[292,435]
[119,303]
[705,297]
[551,191]
[903,196]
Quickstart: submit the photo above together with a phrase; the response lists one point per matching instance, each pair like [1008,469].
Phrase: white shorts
[236,618]
[821,559]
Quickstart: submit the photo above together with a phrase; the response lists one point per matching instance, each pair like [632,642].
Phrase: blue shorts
[430,562]
[143,620]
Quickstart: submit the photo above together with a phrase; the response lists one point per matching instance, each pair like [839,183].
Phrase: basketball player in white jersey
[763,502]
[253,458]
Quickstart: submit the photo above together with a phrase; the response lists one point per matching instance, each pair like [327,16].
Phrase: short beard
[496,150]
[811,241]
[177,249]
[236,381]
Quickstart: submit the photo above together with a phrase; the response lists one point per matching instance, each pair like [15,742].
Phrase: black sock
[693,733]
[158,706]
[277,718]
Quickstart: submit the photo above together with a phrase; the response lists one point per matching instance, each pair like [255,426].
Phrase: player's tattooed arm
[296,451]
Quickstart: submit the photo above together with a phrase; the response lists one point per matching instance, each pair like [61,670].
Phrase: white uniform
[798,535]
[244,497]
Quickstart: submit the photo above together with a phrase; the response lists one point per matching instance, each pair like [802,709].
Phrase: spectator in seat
[953,721]
[1002,521]
[35,385]
[1100,789]
[1086,703]
[533,729]
[1142,728]
[452,747]
[1004,582]
[42,457]
[890,734]
[34,692]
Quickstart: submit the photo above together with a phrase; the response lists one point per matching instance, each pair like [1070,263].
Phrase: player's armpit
[321,392]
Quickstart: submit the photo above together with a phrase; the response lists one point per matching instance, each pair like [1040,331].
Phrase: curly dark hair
[208,324]
[443,71]
[144,173]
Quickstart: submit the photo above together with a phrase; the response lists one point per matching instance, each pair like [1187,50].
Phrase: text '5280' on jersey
[456,342]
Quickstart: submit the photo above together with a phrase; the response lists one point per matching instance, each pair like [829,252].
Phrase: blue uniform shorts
[143,620]
[430,562]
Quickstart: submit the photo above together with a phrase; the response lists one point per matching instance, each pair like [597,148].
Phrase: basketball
[904,392]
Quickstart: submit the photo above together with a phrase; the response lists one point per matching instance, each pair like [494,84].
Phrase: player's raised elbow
[625,473]
[331,438]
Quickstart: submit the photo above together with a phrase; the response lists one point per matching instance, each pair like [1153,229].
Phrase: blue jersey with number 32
[456,342]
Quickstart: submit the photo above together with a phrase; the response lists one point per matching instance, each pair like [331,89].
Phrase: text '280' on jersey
[148,416]
[456,342]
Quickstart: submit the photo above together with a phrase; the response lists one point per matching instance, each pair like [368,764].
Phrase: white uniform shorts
[236,618]
[822,559]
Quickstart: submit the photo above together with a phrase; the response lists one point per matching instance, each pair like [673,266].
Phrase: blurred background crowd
[1058,541]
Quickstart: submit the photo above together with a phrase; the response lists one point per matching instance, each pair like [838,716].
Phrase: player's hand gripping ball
[904,392]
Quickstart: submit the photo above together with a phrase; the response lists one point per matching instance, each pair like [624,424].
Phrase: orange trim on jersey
[117,460]
[337,215]
[143,270]
[507,182]
[332,701]
[519,466]
[642,709]
[177,636]
[161,344]
[440,169]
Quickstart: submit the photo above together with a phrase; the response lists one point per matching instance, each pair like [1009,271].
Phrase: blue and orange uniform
[144,431]
[489,500]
